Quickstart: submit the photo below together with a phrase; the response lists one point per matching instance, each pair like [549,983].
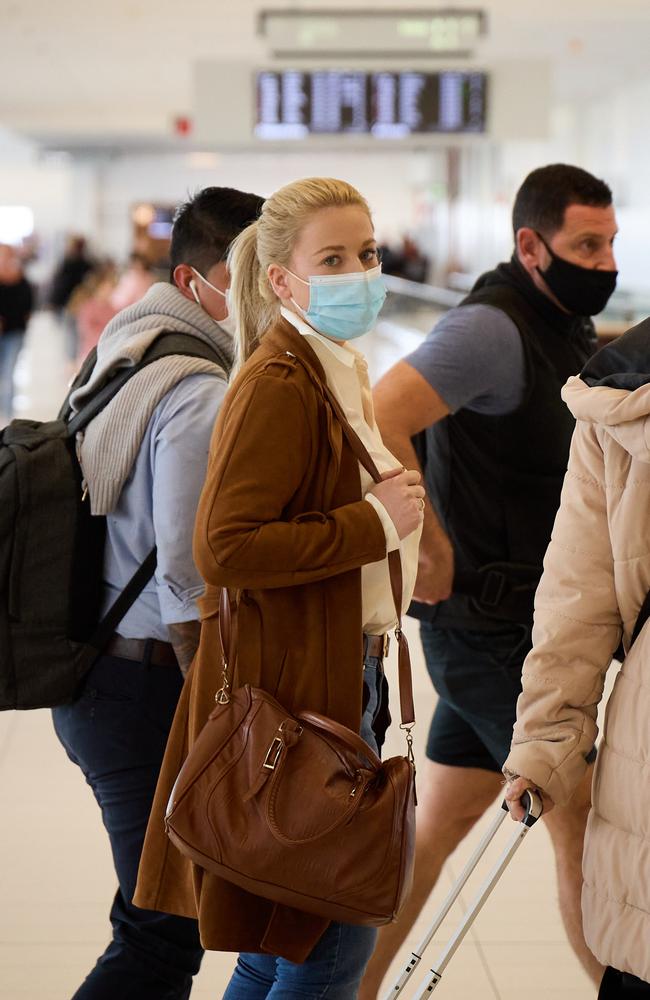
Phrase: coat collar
[283,338]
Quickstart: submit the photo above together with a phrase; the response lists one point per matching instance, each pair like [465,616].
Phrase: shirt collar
[343,353]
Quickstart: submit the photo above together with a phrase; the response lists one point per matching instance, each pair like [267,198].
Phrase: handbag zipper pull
[358,781]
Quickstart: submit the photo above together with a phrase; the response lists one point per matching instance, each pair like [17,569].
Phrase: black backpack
[52,548]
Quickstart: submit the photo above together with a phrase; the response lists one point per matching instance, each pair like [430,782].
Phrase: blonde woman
[292,524]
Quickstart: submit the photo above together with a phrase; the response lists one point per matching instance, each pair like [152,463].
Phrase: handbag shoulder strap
[407,707]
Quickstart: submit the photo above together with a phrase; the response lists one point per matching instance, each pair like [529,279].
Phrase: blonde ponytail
[253,304]
[271,240]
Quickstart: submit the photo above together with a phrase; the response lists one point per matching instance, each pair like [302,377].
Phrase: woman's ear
[278,279]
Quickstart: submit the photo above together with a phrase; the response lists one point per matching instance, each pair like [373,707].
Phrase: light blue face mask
[344,306]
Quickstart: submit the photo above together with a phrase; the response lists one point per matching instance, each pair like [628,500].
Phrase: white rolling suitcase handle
[533,812]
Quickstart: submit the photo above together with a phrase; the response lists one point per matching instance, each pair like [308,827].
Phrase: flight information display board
[293,104]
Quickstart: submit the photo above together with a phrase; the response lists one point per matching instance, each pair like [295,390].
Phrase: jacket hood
[613,391]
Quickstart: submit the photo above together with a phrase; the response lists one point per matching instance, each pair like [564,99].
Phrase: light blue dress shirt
[157,506]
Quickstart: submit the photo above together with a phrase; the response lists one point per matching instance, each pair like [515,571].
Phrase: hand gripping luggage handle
[533,812]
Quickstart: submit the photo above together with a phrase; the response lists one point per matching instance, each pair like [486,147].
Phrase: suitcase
[533,806]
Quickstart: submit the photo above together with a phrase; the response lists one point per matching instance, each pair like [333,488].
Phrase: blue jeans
[333,970]
[116,733]
[335,967]
[10,345]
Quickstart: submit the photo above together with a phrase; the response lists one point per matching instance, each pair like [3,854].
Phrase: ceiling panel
[125,68]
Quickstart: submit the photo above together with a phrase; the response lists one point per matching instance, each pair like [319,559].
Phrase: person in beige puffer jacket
[596,578]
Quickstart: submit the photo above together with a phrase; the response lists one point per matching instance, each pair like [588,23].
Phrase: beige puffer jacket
[596,577]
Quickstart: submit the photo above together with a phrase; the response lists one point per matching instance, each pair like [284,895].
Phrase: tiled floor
[56,881]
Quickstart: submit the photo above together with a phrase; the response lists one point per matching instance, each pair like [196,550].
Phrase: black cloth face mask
[584,291]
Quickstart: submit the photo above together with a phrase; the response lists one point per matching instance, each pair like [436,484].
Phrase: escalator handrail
[444,298]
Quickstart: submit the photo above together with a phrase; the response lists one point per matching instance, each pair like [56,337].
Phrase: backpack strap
[82,376]
[164,346]
[124,602]
[168,343]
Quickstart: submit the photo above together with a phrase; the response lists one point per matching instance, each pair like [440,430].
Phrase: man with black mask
[478,404]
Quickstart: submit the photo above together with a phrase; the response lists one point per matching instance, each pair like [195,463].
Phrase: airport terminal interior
[110,117]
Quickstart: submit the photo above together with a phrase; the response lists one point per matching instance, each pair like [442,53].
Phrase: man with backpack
[143,459]
[481,402]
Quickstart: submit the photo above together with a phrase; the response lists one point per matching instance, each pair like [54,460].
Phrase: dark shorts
[477,676]
[617,985]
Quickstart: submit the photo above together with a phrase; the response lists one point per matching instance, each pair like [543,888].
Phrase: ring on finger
[420,501]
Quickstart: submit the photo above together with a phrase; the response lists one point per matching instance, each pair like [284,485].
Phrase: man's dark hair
[547,192]
[205,226]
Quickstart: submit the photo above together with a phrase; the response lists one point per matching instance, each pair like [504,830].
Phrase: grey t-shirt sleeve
[474,358]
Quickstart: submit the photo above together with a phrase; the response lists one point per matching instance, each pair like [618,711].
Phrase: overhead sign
[377,33]
[237,104]
[293,104]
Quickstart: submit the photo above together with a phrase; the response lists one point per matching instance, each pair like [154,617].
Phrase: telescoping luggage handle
[533,805]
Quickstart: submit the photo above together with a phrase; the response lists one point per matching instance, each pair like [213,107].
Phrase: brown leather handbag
[295,807]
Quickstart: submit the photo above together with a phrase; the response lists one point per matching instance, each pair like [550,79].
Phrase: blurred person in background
[406,261]
[480,399]
[144,460]
[16,302]
[94,308]
[389,257]
[414,264]
[69,274]
[136,280]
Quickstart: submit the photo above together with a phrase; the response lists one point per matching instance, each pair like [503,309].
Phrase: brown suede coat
[282,523]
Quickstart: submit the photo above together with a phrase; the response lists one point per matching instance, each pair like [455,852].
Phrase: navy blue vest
[495,481]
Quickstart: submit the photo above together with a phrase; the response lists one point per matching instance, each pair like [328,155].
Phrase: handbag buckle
[288,733]
[273,754]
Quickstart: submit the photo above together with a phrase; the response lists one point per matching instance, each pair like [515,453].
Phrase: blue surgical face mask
[343,306]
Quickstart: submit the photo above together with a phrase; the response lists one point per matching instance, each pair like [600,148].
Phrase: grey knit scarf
[109,446]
